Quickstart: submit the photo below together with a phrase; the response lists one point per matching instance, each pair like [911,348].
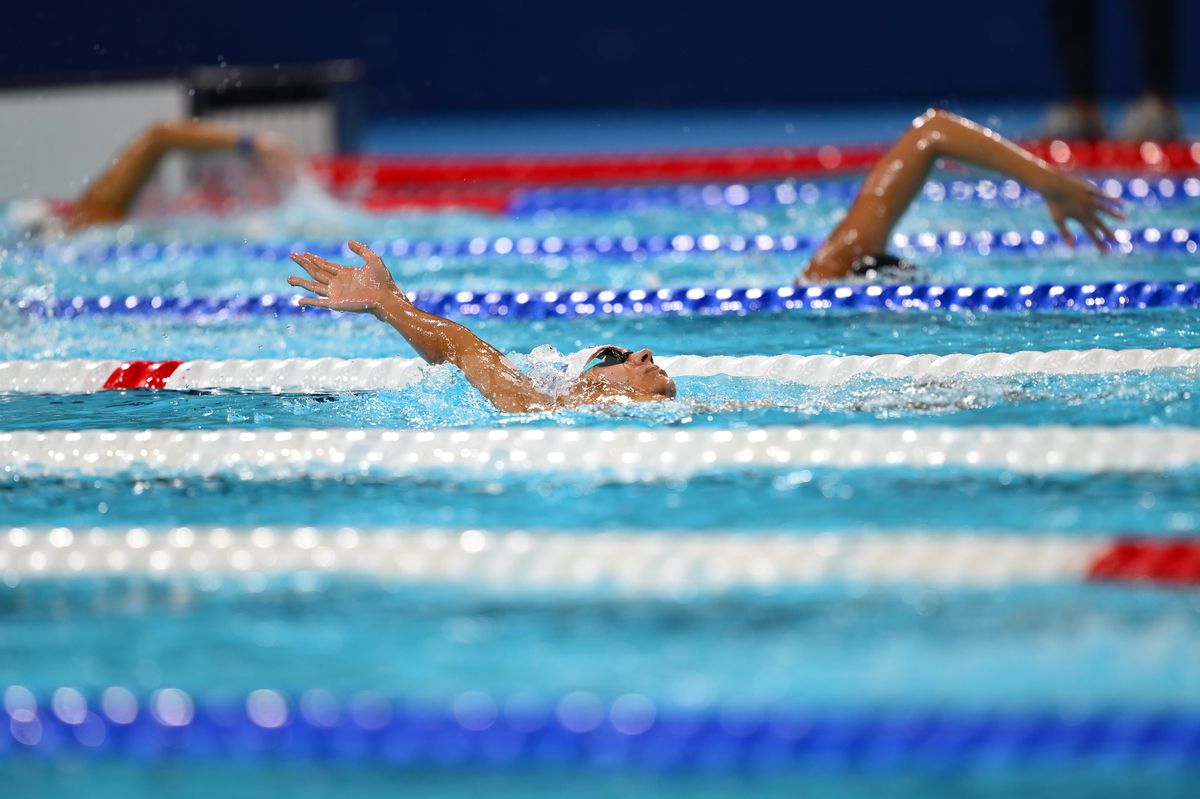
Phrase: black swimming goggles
[607,356]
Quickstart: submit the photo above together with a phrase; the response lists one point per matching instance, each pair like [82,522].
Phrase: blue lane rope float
[978,242]
[578,730]
[1107,296]
[717,196]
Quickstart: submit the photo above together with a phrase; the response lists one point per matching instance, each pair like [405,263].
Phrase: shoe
[1150,119]
[1067,122]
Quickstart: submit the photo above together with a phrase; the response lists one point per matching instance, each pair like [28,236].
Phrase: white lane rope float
[365,374]
[616,454]
[643,564]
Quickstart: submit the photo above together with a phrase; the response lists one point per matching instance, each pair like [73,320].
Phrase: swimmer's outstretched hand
[1069,197]
[355,289]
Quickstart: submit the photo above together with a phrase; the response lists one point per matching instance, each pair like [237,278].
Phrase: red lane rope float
[1152,156]
[521,170]
[389,199]
[470,173]
[141,374]
[1148,560]
[486,184]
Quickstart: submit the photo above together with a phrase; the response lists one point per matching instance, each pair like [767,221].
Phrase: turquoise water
[810,500]
[1075,647]
[444,398]
[308,780]
[838,333]
[312,218]
[834,646]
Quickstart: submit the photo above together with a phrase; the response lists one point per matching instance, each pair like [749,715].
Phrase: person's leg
[1073,28]
[1073,31]
[1152,115]
[1154,21]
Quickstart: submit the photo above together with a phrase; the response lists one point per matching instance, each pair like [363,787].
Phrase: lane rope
[302,375]
[477,730]
[729,196]
[1153,190]
[703,301]
[470,172]
[615,454]
[636,564]
[355,174]
[974,242]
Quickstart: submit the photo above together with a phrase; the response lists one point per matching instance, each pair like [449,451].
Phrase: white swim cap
[577,360]
[551,371]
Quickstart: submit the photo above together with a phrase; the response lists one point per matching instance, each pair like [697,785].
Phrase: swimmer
[611,375]
[858,245]
[614,375]
[109,196]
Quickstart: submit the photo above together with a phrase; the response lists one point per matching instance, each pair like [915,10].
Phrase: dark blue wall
[537,54]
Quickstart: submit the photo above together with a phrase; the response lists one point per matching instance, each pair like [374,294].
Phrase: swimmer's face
[633,374]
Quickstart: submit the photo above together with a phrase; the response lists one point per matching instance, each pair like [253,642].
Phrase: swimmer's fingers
[307,262]
[315,302]
[370,258]
[1067,236]
[1109,236]
[308,285]
[1098,232]
[321,265]
[1107,204]
[328,269]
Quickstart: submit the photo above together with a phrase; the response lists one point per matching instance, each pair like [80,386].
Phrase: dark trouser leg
[1154,21]
[1073,29]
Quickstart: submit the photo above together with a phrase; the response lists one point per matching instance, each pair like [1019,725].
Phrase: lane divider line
[730,196]
[973,242]
[616,454]
[570,304]
[367,374]
[476,730]
[351,173]
[630,563]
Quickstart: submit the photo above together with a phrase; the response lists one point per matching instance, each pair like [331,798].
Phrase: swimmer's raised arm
[108,197]
[900,174]
[371,289]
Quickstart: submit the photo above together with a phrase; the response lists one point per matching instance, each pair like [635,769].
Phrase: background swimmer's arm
[108,197]
[899,176]
[370,288]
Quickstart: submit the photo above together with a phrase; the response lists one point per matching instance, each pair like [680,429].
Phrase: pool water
[1068,648]
[444,398]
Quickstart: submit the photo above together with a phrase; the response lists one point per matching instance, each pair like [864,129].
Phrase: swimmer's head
[615,372]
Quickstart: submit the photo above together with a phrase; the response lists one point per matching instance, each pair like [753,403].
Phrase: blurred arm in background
[898,177]
[109,196]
